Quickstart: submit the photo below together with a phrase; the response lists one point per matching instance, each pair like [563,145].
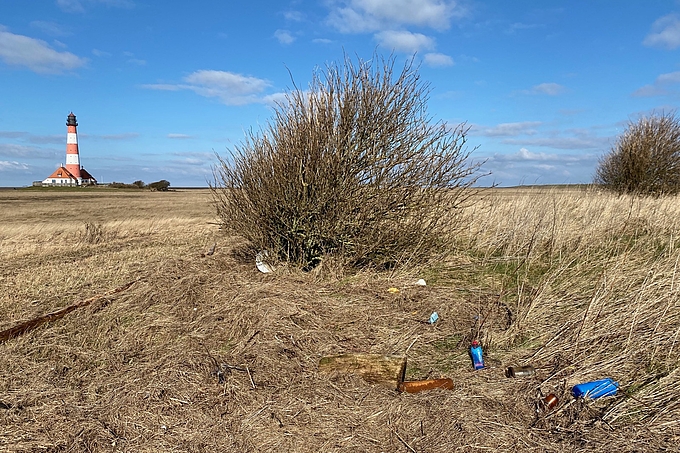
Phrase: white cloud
[521,26]
[50,28]
[526,134]
[357,16]
[284,36]
[546,167]
[527,167]
[72,6]
[389,18]
[561,142]
[230,88]
[78,6]
[179,136]
[525,154]
[14,150]
[438,59]
[13,134]
[660,87]
[35,54]
[46,139]
[100,53]
[121,136]
[190,161]
[507,129]
[116,3]
[165,87]
[136,61]
[668,78]
[225,82]
[404,41]
[274,99]
[195,155]
[294,16]
[7,165]
[551,89]
[649,91]
[665,33]
[346,20]
[30,138]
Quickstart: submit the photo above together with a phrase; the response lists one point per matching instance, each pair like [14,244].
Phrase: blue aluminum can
[595,389]
[477,355]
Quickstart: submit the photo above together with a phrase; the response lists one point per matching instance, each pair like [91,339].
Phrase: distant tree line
[161,185]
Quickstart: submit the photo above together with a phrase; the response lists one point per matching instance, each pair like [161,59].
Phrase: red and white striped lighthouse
[72,156]
[72,174]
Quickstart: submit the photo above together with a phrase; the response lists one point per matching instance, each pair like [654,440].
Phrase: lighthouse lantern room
[71,174]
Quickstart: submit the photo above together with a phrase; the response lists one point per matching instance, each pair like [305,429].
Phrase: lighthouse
[71,174]
[72,155]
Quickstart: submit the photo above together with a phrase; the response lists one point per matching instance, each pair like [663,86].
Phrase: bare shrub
[161,185]
[353,166]
[645,159]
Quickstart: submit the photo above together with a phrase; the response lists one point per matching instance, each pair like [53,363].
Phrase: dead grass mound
[204,353]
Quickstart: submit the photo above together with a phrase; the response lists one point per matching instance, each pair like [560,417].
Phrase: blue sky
[159,86]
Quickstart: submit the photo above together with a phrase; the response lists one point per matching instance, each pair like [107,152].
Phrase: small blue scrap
[434,317]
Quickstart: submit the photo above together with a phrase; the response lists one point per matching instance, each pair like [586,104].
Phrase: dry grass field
[204,353]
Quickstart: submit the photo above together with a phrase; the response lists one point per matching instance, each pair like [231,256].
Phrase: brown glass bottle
[550,401]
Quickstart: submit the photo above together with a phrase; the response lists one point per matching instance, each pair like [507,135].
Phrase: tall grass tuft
[592,280]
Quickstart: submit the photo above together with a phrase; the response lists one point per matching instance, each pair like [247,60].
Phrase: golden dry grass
[204,353]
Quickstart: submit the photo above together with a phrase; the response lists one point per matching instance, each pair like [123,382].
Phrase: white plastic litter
[421,282]
[262,261]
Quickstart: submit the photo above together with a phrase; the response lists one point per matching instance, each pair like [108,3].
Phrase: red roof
[62,172]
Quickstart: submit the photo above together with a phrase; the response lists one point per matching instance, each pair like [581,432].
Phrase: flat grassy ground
[204,353]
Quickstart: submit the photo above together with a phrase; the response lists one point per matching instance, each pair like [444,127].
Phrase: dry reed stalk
[34,323]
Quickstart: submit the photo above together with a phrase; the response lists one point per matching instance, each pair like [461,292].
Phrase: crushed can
[519,371]
[477,355]
[595,389]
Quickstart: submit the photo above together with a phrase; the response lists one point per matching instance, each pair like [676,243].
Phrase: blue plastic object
[434,317]
[595,389]
[477,355]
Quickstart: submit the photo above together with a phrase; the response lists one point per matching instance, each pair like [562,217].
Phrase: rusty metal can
[550,401]
[519,371]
